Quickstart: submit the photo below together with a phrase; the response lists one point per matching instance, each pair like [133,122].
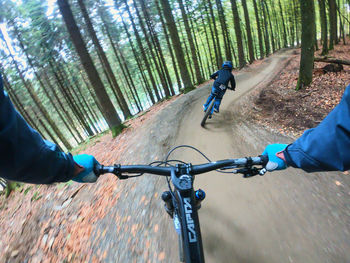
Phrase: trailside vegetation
[76,68]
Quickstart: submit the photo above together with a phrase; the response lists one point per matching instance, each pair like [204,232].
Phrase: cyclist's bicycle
[182,201]
[209,110]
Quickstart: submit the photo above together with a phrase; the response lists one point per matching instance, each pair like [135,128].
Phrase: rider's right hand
[276,157]
[84,168]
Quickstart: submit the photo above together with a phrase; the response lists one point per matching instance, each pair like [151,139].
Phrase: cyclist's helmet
[227,65]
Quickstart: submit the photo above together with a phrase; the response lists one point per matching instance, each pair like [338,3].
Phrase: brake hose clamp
[189,168]
[118,173]
[249,161]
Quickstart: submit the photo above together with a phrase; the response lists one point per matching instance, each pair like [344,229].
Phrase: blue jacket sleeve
[214,75]
[24,155]
[326,147]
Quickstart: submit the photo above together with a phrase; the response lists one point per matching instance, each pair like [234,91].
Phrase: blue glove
[276,157]
[84,170]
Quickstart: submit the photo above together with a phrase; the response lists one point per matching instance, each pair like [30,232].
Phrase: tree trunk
[333,20]
[44,88]
[307,10]
[341,25]
[225,33]
[249,32]
[270,25]
[261,47]
[139,65]
[143,52]
[266,36]
[67,90]
[216,39]
[109,111]
[209,58]
[285,42]
[169,45]
[291,24]
[236,20]
[123,65]
[104,61]
[68,97]
[332,60]
[187,52]
[70,123]
[157,45]
[186,80]
[89,113]
[324,30]
[194,56]
[296,22]
[58,112]
[195,33]
[278,31]
[154,57]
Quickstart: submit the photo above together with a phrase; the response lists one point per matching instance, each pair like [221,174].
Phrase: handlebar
[246,163]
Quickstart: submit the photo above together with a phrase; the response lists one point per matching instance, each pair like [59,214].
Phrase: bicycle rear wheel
[207,112]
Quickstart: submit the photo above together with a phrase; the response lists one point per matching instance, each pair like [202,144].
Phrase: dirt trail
[286,216]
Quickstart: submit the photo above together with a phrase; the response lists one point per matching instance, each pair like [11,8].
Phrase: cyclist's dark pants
[219,94]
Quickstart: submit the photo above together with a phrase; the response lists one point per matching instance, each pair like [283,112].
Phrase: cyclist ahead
[222,77]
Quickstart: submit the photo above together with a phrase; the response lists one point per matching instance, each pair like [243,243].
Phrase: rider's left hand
[276,157]
[84,168]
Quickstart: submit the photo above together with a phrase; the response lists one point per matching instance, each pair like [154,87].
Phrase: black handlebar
[247,163]
[120,169]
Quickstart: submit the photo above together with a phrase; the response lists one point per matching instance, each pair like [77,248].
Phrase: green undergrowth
[116,130]
[187,89]
[88,142]
[141,114]
[95,139]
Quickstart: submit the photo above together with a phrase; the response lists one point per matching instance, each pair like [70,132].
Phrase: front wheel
[207,112]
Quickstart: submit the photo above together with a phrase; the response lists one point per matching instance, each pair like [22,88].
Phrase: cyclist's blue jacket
[326,147]
[24,155]
[223,76]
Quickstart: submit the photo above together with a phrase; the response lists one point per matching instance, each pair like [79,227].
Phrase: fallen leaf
[156,227]
[161,256]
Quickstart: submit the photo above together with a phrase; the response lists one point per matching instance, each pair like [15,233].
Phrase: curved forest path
[287,216]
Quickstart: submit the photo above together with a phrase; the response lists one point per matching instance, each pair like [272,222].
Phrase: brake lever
[118,173]
[251,171]
[228,167]
[101,169]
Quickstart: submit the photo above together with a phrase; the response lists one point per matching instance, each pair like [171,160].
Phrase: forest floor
[278,106]
[55,223]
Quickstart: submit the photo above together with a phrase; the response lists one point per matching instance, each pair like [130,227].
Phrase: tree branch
[331,60]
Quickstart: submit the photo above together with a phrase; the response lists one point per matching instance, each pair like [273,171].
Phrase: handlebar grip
[264,159]
[97,169]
